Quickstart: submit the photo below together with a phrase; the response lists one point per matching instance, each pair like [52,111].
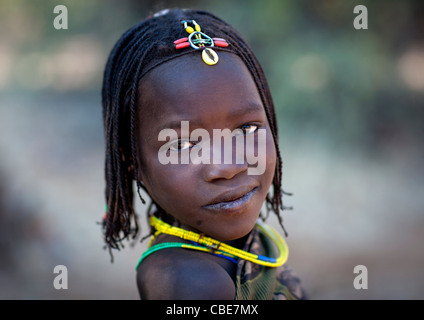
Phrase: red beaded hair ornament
[199,40]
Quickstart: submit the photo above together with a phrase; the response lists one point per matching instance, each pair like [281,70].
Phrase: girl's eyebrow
[245,108]
[175,124]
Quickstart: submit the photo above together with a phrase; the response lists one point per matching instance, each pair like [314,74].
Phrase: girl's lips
[231,205]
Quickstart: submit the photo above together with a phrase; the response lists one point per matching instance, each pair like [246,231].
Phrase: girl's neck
[237,243]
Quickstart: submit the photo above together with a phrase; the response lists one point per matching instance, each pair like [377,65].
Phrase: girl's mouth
[232,201]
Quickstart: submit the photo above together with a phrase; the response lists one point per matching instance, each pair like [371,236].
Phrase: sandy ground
[349,209]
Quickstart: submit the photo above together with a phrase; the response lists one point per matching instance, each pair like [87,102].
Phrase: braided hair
[140,49]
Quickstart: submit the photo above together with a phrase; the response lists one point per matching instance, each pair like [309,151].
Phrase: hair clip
[198,40]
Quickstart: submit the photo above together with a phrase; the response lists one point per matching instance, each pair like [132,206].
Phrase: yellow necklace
[211,245]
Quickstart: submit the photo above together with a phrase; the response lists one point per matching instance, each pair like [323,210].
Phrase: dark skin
[222,96]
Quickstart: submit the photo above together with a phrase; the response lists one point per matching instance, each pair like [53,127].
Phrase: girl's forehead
[186,85]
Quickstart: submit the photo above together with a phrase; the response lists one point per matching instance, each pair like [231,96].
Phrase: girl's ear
[131,170]
[139,176]
[129,162]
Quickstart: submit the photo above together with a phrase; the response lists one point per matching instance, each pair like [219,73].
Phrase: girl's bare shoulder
[179,274]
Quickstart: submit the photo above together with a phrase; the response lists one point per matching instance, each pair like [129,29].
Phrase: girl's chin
[232,234]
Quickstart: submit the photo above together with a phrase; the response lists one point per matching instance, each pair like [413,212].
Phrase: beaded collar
[207,244]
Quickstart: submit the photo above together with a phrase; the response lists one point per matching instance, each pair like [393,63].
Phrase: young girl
[171,82]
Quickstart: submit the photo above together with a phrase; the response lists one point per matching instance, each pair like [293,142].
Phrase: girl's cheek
[271,154]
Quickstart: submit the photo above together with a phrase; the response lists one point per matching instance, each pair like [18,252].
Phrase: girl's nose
[227,159]
[214,172]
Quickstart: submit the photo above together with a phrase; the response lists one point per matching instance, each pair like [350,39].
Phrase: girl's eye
[249,128]
[181,145]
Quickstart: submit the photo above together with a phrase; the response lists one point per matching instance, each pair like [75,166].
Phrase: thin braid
[132,107]
[122,210]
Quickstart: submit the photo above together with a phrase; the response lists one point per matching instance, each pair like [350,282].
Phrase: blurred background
[350,105]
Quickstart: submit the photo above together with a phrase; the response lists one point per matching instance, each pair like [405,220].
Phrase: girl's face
[220,200]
